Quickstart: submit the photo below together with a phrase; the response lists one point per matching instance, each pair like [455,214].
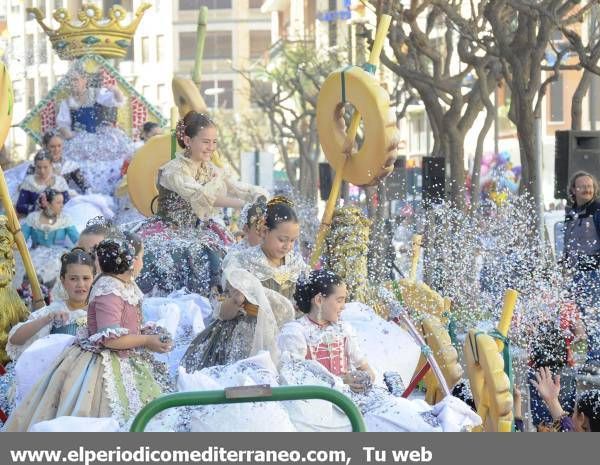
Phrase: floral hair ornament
[280,199]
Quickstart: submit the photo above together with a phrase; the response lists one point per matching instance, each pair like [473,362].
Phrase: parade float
[406,318]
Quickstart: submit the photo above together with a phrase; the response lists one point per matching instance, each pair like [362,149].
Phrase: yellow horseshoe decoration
[438,340]
[489,384]
[375,159]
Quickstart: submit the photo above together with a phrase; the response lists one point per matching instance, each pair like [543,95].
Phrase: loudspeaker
[325,180]
[396,181]
[574,151]
[434,179]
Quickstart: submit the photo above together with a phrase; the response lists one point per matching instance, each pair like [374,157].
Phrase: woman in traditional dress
[186,238]
[51,233]
[91,138]
[53,142]
[275,266]
[106,375]
[42,178]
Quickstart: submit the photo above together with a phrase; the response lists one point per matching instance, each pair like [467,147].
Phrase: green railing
[260,393]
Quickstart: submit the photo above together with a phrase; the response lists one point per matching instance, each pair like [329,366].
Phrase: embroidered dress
[98,147]
[75,326]
[184,242]
[227,341]
[89,380]
[30,190]
[314,354]
[48,243]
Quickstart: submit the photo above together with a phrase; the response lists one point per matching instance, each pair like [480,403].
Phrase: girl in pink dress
[109,373]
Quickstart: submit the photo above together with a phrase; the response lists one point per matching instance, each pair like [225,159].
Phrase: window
[43,51]
[556,100]
[417,133]
[146,92]
[160,48]
[217,94]
[58,4]
[217,45]
[29,49]
[30,91]
[211,4]
[255,3]
[260,42]
[187,46]
[145,49]
[17,91]
[127,4]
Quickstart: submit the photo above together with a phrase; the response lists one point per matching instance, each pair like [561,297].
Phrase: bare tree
[434,51]
[521,33]
[286,91]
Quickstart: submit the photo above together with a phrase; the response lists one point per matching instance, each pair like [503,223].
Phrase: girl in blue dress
[50,232]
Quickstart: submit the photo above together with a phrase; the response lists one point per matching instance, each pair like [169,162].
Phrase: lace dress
[89,380]
[98,146]
[185,241]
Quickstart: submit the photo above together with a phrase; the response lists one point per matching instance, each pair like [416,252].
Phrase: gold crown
[94,34]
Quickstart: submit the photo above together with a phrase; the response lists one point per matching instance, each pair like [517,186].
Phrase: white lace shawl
[106,284]
[31,185]
[34,220]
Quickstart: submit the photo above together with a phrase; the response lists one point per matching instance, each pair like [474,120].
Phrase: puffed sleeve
[63,118]
[26,201]
[108,310]
[108,98]
[72,234]
[200,196]
[291,341]
[14,351]
[356,355]
[242,190]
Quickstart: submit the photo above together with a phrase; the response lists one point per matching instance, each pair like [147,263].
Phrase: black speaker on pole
[434,179]
[325,180]
[574,151]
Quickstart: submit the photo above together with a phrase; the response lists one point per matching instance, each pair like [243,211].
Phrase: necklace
[51,216]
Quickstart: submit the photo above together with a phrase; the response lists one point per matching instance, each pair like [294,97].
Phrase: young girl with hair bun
[106,375]
[274,261]
[185,240]
[320,348]
[274,265]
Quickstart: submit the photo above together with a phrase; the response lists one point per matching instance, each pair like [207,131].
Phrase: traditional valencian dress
[89,380]
[254,329]
[316,354]
[98,146]
[69,170]
[185,240]
[48,243]
[30,190]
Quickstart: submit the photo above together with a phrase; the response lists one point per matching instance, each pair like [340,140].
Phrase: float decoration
[92,33]
[130,117]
